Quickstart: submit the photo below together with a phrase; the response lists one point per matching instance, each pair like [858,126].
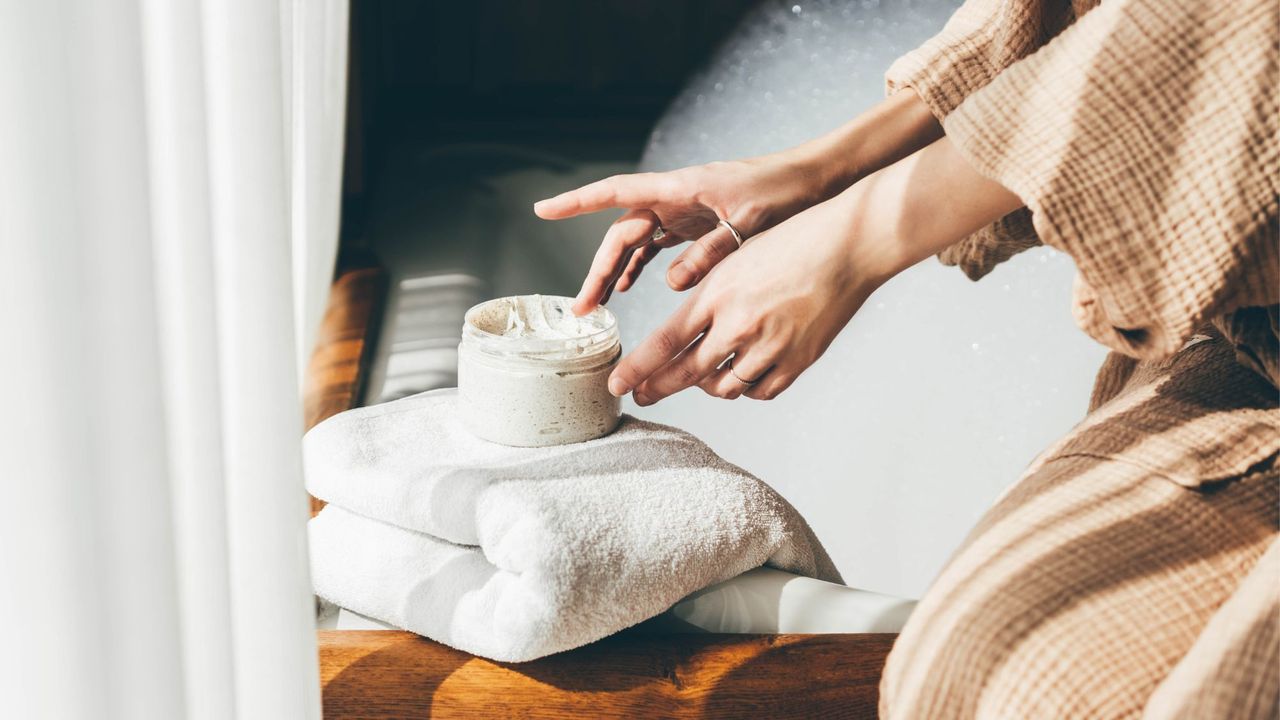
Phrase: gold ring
[748,383]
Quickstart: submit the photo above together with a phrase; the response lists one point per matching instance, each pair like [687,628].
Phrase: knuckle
[699,254]
[665,342]
[705,173]
[628,375]
[708,301]
[754,325]
[751,211]
[722,392]
[743,329]
[608,187]
[686,375]
[667,184]
[737,335]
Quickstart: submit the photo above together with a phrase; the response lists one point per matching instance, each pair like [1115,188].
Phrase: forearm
[893,129]
[918,207]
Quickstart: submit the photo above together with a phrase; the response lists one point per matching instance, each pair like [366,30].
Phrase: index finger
[639,190]
[682,328]
[629,232]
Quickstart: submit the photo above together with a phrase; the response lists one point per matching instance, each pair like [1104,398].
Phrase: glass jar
[530,373]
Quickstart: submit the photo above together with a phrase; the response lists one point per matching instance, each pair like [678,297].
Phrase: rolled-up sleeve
[1143,139]
[980,40]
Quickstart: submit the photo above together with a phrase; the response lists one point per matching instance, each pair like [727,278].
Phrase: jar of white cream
[531,373]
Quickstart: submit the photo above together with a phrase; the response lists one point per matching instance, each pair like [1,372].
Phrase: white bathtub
[763,600]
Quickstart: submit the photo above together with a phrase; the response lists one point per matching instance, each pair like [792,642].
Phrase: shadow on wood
[371,674]
[634,674]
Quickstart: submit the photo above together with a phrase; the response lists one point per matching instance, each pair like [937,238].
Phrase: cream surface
[536,317]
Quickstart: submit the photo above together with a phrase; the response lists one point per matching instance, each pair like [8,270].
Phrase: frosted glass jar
[530,373]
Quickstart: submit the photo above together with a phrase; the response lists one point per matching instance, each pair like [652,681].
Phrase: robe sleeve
[1143,139]
[980,40]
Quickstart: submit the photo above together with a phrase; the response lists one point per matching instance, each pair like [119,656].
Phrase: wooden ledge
[339,364]
[383,674]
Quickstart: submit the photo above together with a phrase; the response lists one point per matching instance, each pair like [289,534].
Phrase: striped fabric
[1098,587]
[1143,140]
[1125,572]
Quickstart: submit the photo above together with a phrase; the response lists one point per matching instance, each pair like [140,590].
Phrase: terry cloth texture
[516,553]
[1099,586]
[1143,139]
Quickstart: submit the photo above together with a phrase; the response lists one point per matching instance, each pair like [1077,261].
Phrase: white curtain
[169,188]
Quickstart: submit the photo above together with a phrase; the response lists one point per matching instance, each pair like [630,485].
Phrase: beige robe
[1124,573]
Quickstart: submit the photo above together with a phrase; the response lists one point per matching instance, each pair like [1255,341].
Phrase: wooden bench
[635,673]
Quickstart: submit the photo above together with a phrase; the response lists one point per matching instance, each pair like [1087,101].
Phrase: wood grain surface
[384,674]
[344,346]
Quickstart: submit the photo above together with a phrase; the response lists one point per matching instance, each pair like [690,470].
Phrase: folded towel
[516,553]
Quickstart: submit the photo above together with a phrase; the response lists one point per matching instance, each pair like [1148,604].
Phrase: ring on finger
[737,236]
[658,234]
[729,366]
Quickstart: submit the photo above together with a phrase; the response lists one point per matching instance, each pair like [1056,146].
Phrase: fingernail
[682,274]
[641,399]
[618,387]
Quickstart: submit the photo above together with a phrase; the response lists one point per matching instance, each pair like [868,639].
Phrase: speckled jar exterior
[533,392]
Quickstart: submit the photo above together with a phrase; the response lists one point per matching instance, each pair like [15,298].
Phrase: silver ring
[737,236]
[748,383]
[658,233]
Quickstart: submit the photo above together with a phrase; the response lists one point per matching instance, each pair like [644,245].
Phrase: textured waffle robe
[1133,570]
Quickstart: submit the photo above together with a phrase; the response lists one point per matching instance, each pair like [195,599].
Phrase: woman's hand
[753,195]
[776,305]
[687,204]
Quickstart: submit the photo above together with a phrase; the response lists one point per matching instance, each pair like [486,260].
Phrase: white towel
[517,553]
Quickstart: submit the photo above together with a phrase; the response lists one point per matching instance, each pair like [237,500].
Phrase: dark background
[593,71]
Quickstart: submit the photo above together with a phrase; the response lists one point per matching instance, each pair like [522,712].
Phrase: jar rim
[563,348]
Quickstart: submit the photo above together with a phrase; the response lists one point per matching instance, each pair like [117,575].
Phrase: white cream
[530,373]
[538,317]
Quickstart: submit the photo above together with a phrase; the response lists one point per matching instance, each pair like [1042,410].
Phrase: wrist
[893,129]
[827,165]
[918,207]
[872,239]
[810,172]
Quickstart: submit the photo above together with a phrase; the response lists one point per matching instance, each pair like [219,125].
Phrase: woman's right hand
[753,195]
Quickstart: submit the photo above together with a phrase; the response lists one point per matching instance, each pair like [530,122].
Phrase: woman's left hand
[774,307]
[777,303]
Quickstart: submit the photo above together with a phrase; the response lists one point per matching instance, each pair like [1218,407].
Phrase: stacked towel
[516,553]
